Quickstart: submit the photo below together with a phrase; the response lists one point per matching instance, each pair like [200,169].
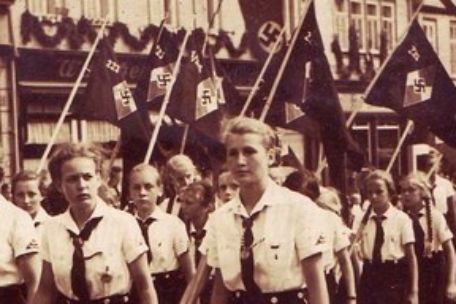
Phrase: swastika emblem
[163,79]
[206,98]
[413,51]
[419,86]
[159,80]
[268,34]
[113,66]
[124,101]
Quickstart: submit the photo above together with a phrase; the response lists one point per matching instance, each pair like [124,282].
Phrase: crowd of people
[239,237]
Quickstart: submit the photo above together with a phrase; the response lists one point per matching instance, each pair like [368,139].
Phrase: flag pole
[166,101]
[404,35]
[184,138]
[434,167]
[69,101]
[406,132]
[259,79]
[283,65]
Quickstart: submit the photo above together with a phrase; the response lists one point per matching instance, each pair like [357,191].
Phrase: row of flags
[412,82]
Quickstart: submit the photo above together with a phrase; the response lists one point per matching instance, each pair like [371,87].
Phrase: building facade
[43,44]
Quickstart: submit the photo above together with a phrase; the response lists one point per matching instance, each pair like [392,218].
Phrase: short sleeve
[442,230]
[180,241]
[407,234]
[309,235]
[209,244]
[133,244]
[24,238]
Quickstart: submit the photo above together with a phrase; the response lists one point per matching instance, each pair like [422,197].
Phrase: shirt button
[274,300]
[300,295]
[237,294]
[106,301]
[125,299]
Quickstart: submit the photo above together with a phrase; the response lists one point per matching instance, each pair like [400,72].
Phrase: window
[357,19]
[47,7]
[387,18]
[430,29]
[453,47]
[372,26]
[341,23]
[369,17]
[98,9]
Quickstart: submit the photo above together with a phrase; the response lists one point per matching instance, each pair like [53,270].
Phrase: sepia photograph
[227,151]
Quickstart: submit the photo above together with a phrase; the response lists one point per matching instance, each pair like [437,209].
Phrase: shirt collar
[41,216]
[271,196]
[101,209]
[157,214]
[388,213]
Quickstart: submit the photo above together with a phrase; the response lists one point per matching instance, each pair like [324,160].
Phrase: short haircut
[68,151]
[146,167]
[207,191]
[24,176]
[245,125]
[177,162]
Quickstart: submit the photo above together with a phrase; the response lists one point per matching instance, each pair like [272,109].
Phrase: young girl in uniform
[389,272]
[91,253]
[433,244]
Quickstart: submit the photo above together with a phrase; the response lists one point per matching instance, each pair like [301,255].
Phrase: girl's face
[80,181]
[377,193]
[411,194]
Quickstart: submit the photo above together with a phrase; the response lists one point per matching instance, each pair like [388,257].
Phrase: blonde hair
[246,125]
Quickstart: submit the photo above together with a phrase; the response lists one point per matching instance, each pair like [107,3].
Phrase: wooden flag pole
[166,99]
[69,101]
[184,138]
[259,79]
[283,65]
[407,130]
[434,167]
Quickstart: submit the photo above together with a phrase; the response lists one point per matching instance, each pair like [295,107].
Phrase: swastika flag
[263,22]
[414,83]
[307,82]
[108,97]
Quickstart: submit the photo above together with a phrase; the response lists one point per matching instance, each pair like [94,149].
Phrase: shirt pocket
[277,253]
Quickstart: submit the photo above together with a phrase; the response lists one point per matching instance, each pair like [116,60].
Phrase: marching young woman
[433,244]
[92,253]
[389,273]
[266,243]
[169,260]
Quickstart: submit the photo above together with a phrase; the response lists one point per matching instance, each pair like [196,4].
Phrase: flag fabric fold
[414,83]
[108,97]
[307,82]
